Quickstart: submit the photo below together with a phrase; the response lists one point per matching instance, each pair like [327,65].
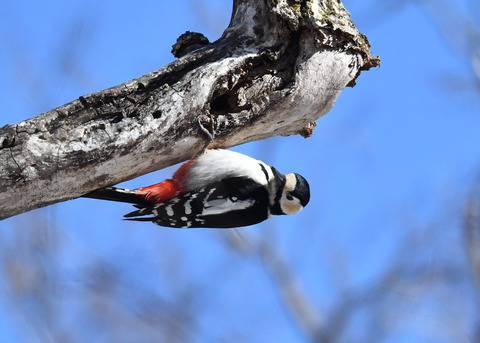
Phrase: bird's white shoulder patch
[225,205]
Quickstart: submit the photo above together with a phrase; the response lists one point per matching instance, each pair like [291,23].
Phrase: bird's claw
[204,120]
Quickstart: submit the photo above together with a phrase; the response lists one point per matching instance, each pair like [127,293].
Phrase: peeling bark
[279,66]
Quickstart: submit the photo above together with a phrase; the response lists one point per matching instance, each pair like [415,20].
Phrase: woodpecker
[218,189]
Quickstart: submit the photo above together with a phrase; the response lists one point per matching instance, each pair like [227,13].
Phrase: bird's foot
[204,121]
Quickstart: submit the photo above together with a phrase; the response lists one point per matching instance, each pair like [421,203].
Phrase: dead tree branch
[278,67]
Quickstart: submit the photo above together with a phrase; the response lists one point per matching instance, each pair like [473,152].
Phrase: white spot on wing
[210,192]
[207,197]
[188,207]
[169,210]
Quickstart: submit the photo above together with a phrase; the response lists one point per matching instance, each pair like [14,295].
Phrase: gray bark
[279,66]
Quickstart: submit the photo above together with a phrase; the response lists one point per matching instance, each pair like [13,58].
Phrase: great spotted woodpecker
[218,189]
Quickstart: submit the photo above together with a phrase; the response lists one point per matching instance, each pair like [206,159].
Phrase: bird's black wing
[233,202]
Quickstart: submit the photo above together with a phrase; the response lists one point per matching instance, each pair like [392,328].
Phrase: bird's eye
[289,197]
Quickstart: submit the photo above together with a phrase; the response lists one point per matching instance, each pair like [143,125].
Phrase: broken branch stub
[278,67]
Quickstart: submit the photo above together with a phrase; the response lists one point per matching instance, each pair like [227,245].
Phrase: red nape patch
[160,192]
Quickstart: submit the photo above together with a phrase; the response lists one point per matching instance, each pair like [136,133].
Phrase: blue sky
[389,167]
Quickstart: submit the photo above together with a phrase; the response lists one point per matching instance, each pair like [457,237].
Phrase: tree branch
[278,67]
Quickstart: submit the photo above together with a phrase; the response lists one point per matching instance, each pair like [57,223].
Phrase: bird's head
[295,195]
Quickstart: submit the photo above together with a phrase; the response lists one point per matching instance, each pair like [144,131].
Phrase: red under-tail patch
[159,192]
[167,189]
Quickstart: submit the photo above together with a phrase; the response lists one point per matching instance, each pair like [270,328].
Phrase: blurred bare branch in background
[472,235]
[461,31]
[459,27]
[299,308]
[398,295]
[101,299]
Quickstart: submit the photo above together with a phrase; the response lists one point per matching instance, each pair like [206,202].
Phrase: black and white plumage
[219,189]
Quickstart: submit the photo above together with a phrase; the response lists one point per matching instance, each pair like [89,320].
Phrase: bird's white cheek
[291,207]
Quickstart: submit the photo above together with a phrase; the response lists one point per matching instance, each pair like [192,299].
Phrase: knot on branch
[7,136]
[188,42]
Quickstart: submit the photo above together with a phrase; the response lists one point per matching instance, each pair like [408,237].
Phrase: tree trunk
[279,66]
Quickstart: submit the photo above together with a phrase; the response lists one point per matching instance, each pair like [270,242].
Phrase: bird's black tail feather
[117,194]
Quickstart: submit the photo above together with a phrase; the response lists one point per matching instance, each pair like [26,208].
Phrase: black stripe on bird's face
[275,187]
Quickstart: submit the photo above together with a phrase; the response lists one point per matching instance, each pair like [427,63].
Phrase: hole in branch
[157,114]
[220,104]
